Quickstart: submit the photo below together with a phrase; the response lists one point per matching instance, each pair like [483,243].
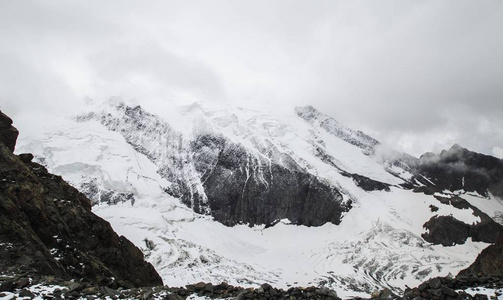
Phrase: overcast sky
[417,75]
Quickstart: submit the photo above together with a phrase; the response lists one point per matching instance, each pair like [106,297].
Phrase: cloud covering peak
[419,76]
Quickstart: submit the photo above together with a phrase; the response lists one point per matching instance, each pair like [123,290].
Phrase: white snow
[491,293]
[196,297]
[492,206]
[464,215]
[88,150]
[377,245]
[8,296]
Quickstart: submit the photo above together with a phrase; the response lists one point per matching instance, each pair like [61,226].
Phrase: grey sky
[417,75]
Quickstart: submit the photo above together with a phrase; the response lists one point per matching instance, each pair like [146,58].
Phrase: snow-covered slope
[240,166]
[97,161]
[373,247]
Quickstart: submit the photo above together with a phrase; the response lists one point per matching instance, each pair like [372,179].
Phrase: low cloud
[418,76]
[498,152]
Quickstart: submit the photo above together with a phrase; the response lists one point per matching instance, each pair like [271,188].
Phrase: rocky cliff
[461,169]
[47,227]
[488,263]
[214,175]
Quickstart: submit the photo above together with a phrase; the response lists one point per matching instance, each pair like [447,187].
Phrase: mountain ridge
[377,243]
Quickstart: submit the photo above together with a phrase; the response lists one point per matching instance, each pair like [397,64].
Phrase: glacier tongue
[151,171]
[372,248]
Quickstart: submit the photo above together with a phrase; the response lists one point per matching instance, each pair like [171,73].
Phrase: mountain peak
[309,112]
[192,107]
[332,126]
[456,148]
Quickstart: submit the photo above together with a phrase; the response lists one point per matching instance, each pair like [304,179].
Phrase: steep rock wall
[47,228]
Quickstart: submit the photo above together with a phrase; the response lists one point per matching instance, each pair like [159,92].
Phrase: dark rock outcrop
[445,288]
[489,262]
[361,181]
[201,289]
[8,133]
[448,231]
[47,228]
[241,188]
[369,184]
[461,169]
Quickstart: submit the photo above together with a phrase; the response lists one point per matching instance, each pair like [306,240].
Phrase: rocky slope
[8,133]
[481,279]
[488,263]
[47,228]
[212,174]
[461,169]
[354,137]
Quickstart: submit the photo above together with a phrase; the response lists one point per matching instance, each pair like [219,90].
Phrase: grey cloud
[144,69]
[25,86]
[27,23]
[417,75]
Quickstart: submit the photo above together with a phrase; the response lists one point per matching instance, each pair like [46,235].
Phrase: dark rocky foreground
[47,229]
[455,288]
[49,287]
[71,290]
[485,272]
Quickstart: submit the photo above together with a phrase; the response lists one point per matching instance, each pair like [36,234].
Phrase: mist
[417,76]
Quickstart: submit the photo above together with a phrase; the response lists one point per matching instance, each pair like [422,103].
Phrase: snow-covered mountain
[249,197]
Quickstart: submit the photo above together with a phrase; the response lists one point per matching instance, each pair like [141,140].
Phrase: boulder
[8,133]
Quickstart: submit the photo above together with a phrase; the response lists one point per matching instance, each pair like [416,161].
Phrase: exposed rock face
[72,290]
[444,288]
[8,133]
[238,191]
[47,228]
[354,137]
[92,191]
[461,169]
[448,231]
[458,169]
[361,181]
[368,184]
[489,262]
